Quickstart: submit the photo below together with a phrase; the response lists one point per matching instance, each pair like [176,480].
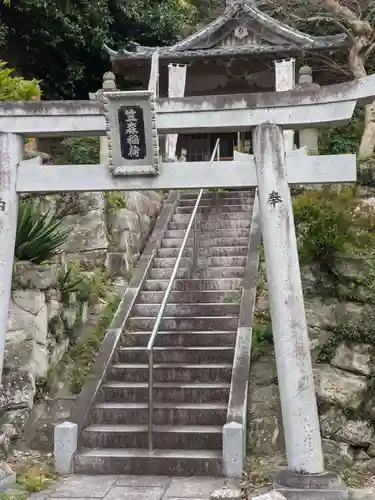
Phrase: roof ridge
[276,36]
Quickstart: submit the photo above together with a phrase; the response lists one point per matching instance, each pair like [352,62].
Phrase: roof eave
[224,52]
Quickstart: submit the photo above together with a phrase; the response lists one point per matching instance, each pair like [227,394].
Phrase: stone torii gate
[133,119]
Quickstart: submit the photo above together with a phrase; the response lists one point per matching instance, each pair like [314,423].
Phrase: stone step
[176,354]
[218,242]
[182,297]
[193,323]
[171,372]
[165,263]
[172,392]
[218,202]
[164,413]
[216,194]
[158,462]
[222,201]
[186,339]
[209,273]
[210,309]
[231,251]
[217,215]
[209,226]
[205,208]
[170,437]
[210,234]
[194,284]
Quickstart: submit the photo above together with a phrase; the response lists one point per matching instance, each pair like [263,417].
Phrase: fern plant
[39,235]
[69,282]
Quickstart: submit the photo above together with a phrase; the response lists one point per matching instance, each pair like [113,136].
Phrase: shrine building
[243,51]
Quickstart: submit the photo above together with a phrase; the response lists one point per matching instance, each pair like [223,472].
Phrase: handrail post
[150,399]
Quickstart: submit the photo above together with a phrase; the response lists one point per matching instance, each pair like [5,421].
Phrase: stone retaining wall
[105,234]
[343,363]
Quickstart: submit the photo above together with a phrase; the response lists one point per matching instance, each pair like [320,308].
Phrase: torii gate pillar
[305,476]
[11,150]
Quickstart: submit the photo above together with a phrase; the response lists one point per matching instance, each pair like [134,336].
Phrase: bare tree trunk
[367,145]
[362,33]
[357,67]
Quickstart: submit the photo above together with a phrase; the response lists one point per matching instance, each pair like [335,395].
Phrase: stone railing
[234,431]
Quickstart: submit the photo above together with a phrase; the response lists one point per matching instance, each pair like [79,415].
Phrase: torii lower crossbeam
[301,168]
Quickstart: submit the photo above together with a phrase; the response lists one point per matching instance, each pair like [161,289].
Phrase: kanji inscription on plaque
[132,133]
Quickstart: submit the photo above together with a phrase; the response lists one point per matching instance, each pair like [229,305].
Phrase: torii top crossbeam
[292,110]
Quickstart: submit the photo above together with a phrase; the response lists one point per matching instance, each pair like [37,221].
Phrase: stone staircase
[193,352]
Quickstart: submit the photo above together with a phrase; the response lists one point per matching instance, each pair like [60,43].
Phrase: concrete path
[82,487]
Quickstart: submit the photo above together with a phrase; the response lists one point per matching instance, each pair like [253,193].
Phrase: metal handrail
[216,150]
[150,345]
[151,342]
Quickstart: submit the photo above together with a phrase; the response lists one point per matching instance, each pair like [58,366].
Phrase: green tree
[60,42]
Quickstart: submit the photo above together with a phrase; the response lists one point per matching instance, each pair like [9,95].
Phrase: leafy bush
[348,330]
[39,234]
[89,287]
[330,223]
[262,339]
[16,88]
[81,150]
[115,200]
[82,354]
[344,139]
[366,173]
[94,288]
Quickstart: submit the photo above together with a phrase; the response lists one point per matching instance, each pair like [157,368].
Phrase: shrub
[344,139]
[89,287]
[82,354]
[115,200]
[330,223]
[81,150]
[16,88]
[347,330]
[94,288]
[262,339]
[366,173]
[38,235]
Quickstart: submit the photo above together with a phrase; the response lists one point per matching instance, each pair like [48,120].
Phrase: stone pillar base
[326,486]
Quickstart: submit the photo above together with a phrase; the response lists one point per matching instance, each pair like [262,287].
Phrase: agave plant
[39,235]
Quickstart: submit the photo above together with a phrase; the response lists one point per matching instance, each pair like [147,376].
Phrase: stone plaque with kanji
[131,129]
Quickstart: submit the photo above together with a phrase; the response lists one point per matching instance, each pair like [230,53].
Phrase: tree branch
[332,64]
[369,14]
[356,25]
[369,51]
[313,19]
[343,28]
